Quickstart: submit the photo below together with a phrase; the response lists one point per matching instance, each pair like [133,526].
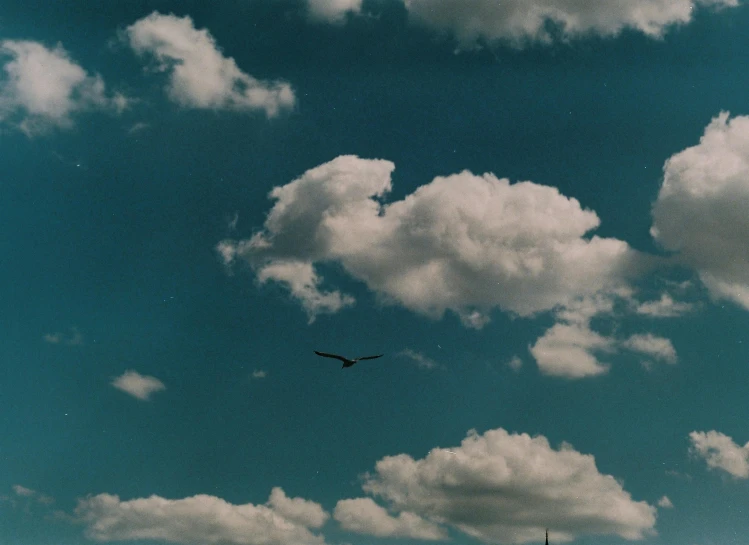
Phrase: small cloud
[665,307]
[678,474]
[720,452]
[137,127]
[515,363]
[259,373]
[422,362]
[137,385]
[23,491]
[73,339]
[233,222]
[665,503]
[332,11]
[657,347]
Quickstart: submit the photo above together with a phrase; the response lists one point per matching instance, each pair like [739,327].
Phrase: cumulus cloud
[507,488]
[200,76]
[418,358]
[665,503]
[520,22]
[202,519]
[653,346]
[259,373]
[464,243]
[720,452]
[665,307]
[364,516]
[137,385]
[700,212]
[332,11]
[42,87]
[572,349]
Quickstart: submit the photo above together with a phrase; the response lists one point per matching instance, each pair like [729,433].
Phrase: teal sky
[537,210]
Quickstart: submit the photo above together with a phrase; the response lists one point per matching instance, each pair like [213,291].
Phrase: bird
[346,362]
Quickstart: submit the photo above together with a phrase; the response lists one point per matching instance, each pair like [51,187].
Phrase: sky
[535,209]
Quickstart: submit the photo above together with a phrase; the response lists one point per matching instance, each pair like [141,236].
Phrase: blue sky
[537,210]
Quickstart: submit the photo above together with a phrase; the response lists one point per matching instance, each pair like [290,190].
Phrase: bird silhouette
[346,362]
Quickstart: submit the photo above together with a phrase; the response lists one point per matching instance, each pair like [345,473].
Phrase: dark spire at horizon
[547,536]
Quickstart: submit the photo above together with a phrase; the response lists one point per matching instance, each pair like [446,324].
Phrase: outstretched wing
[334,356]
[370,357]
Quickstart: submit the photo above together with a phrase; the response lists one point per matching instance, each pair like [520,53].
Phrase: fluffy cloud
[464,243]
[332,11]
[571,349]
[200,76]
[523,21]
[650,345]
[506,488]
[665,307]
[137,385]
[701,208]
[259,373]
[202,519]
[720,452]
[44,87]
[364,516]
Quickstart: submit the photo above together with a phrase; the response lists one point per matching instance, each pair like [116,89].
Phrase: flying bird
[346,362]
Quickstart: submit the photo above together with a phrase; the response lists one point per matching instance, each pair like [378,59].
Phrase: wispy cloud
[137,385]
[422,361]
[259,373]
[74,338]
[665,503]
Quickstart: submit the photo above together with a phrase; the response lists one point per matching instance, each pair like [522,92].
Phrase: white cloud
[701,208]
[523,21]
[303,282]
[200,75]
[665,503]
[137,385]
[364,516]
[202,519]
[665,307]
[44,87]
[332,11]
[720,452]
[569,350]
[464,243]
[507,488]
[421,360]
[259,373]
[656,347]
